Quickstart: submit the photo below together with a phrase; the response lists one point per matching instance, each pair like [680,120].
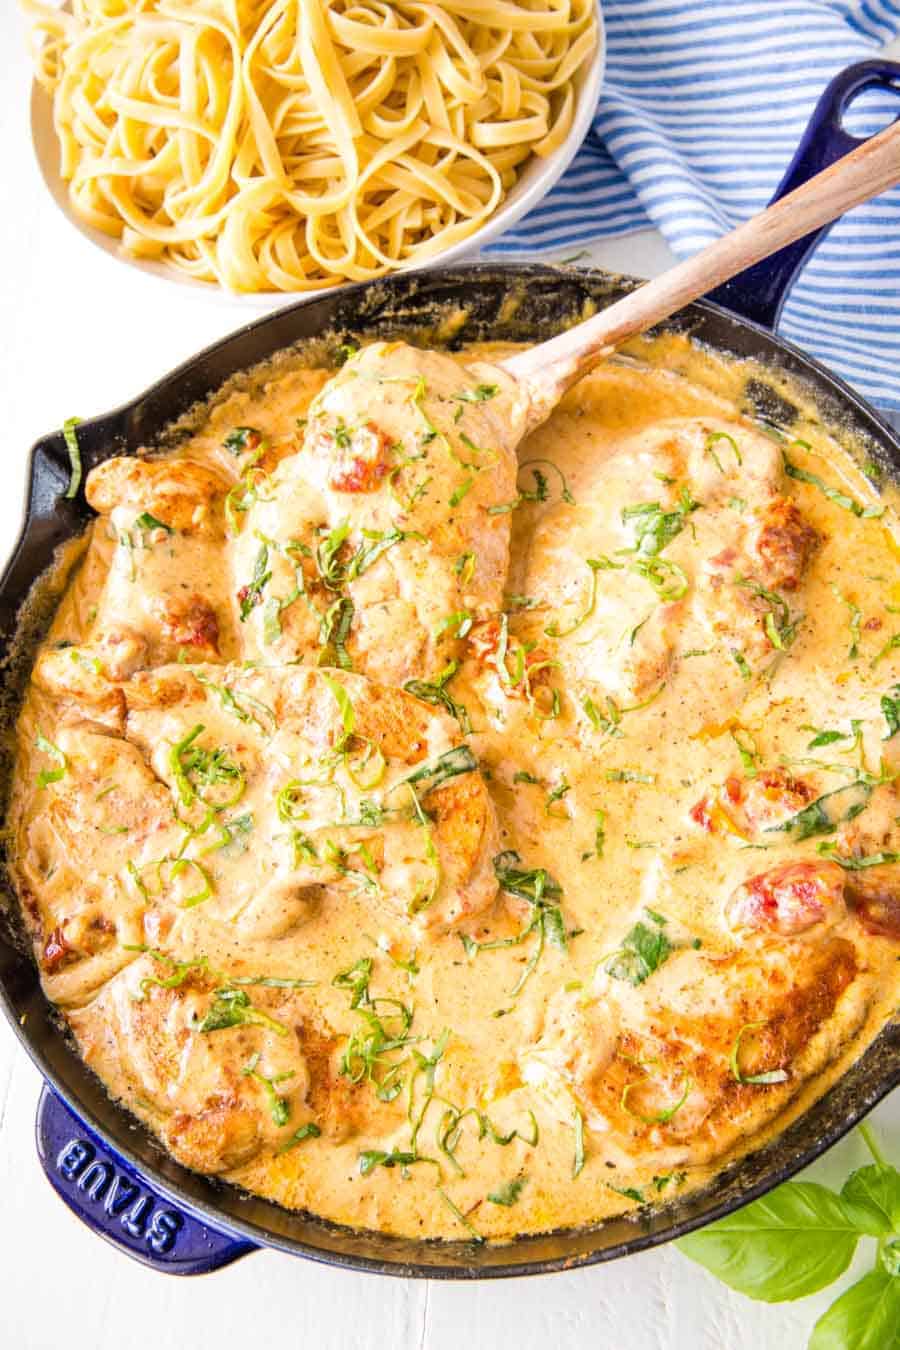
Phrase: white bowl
[535,181]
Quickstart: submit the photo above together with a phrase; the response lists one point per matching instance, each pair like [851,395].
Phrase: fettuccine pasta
[296,144]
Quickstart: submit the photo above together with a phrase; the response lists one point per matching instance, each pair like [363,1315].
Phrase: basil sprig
[801,1237]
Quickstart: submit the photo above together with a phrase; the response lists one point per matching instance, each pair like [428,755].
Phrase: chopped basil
[245,492]
[345,350]
[272,981]
[458,624]
[448,765]
[458,493]
[508,1193]
[668,579]
[890,707]
[371,1158]
[345,708]
[47,776]
[243,714]
[747,749]
[366,1054]
[542,891]
[712,440]
[279,1108]
[758,1079]
[654,528]
[437,694]
[331,570]
[742,664]
[180,970]
[251,594]
[145,521]
[464,567]
[308,1131]
[661,1117]
[852,864]
[232,1008]
[644,949]
[891,645]
[356,979]
[781,627]
[449,1129]
[193,766]
[579,1159]
[827,812]
[674,1178]
[629,776]
[629,1192]
[596,565]
[334,629]
[832,493]
[562,789]
[536,885]
[379,542]
[239,438]
[72,446]
[426,1065]
[540,491]
[599,832]
[853,622]
[480,394]
[458,1214]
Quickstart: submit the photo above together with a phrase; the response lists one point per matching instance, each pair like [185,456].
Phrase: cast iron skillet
[105,1166]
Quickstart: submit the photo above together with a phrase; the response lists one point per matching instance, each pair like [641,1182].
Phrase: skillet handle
[115,1202]
[759,293]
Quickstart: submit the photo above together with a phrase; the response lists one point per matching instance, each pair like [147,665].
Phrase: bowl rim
[539,177]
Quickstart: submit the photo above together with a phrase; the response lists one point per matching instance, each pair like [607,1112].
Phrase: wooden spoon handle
[547,370]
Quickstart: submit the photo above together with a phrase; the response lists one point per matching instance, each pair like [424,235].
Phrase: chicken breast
[386,537]
[159,540]
[683,543]
[674,1072]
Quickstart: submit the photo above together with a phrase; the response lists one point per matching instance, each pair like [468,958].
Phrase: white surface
[536,180]
[83,335]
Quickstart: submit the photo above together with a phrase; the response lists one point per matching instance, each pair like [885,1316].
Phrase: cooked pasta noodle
[295,144]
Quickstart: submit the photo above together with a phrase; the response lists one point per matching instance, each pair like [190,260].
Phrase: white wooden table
[82,334]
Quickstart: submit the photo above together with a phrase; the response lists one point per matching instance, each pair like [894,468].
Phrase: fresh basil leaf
[866,1317]
[783,1246]
[872,1196]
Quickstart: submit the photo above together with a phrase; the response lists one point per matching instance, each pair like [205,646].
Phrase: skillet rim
[124,423]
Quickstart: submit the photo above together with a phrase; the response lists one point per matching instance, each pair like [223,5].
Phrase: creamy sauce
[688,651]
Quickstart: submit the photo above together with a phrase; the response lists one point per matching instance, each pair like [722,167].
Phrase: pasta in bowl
[295,145]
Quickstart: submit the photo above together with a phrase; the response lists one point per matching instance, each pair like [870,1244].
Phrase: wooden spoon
[545,372]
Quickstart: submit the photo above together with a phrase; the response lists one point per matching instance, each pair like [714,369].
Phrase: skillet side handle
[115,1202]
[759,293]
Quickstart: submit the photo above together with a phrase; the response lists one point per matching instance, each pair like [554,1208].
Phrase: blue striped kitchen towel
[703,107]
